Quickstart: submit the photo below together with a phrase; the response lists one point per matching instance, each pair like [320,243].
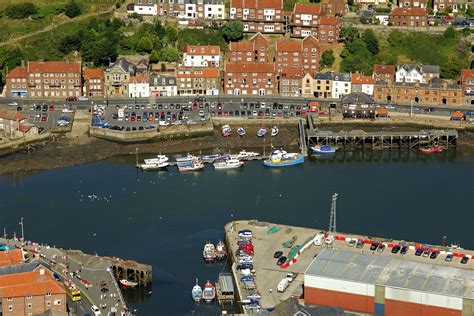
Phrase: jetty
[302,137]
[359,139]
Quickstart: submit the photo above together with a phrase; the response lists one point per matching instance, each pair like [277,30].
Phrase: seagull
[94,234]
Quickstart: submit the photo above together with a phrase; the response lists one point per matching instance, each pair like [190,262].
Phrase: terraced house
[202,56]
[250,78]
[182,9]
[117,78]
[198,81]
[265,16]
[254,50]
[301,55]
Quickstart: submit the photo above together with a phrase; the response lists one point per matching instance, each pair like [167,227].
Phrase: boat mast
[332,217]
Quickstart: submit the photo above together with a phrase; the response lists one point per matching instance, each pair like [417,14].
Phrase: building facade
[94,83]
[412,4]
[341,84]
[361,83]
[117,78]
[442,5]
[163,86]
[198,81]
[10,123]
[384,73]
[250,78]
[145,7]
[290,82]
[328,30]
[182,9]
[202,56]
[416,73]
[305,19]
[264,16]
[334,7]
[467,85]
[410,17]
[255,50]
[139,87]
[301,55]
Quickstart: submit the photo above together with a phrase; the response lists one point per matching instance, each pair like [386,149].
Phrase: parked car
[83,99]
[13,104]
[352,243]
[277,254]
[426,253]
[404,250]
[360,243]
[449,257]
[374,246]
[433,255]
[290,277]
[418,252]
[464,260]
[281,260]
[395,249]
[71,99]
[381,248]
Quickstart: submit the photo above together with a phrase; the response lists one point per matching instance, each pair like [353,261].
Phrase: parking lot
[48,116]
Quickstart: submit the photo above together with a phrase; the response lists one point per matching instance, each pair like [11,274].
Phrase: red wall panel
[396,308]
[348,301]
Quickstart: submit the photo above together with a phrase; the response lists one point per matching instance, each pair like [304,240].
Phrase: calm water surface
[164,218]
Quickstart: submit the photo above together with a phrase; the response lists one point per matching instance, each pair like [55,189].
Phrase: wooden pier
[302,137]
[358,139]
[131,271]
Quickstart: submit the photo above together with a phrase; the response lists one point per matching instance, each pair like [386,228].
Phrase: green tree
[449,33]
[154,57]
[233,31]
[72,10]
[10,57]
[371,41]
[169,54]
[348,33]
[470,11]
[171,34]
[327,59]
[145,44]
[21,10]
[135,16]
[356,57]
[159,30]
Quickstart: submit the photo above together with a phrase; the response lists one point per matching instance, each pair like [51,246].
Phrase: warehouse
[383,284]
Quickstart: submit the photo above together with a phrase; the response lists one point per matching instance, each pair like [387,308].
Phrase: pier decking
[358,139]
[302,137]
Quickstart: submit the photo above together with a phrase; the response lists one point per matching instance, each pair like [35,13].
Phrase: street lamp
[22,231]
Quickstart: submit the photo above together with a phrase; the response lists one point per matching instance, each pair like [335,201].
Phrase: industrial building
[389,284]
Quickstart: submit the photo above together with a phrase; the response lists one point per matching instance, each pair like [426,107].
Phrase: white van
[95,310]
[282,285]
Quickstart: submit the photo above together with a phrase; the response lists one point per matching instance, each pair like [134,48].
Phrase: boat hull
[126,283]
[430,150]
[284,163]
[319,150]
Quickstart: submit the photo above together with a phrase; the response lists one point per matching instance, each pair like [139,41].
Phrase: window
[29,297]
[30,306]
[9,299]
[10,308]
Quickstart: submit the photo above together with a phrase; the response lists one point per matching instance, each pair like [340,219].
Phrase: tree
[171,34]
[21,11]
[135,16]
[356,57]
[159,30]
[72,9]
[348,33]
[233,31]
[10,57]
[145,44]
[371,41]
[154,57]
[327,59]
[470,11]
[449,33]
[169,54]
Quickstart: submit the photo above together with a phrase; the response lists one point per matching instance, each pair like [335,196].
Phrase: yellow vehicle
[72,291]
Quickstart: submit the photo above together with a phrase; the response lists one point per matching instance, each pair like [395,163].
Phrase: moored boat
[192,165]
[280,158]
[209,252]
[196,292]
[226,130]
[221,250]
[211,158]
[324,149]
[158,159]
[127,283]
[431,150]
[274,131]
[209,292]
[150,166]
[241,131]
[261,131]
[231,163]
[186,158]
[247,154]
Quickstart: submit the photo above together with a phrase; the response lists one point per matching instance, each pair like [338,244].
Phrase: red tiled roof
[467,74]
[314,9]
[288,46]
[54,67]
[249,67]
[11,257]
[18,72]
[240,46]
[138,79]
[202,50]
[291,72]
[93,73]
[12,115]
[328,20]
[408,12]
[457,114]
[257,4]
[259,37]
[361,79]
[384,70]
[29,283]
[198,73]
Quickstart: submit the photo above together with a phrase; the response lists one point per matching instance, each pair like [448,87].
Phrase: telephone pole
[332,217]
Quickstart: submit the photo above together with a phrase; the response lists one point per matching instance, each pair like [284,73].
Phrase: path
[53,26]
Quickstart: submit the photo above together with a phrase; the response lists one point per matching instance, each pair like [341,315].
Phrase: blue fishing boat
[261,131]
[280,158]
[324,149]
[196,292]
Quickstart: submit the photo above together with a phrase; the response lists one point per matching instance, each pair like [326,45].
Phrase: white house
[341,84]
[139,87]
[361,83]
[416,73]
[146,7]
[202,56]
[214,9]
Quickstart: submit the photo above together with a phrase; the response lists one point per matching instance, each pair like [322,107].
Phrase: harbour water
[164,218]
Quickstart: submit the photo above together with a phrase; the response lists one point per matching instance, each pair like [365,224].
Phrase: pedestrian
[271,290]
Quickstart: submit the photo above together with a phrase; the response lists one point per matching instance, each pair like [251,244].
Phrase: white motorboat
[154,165]
[158,159]
[274,131]
[241,131]
[247,154]
[228,164]
[192,165]
[186,158]
[226,130]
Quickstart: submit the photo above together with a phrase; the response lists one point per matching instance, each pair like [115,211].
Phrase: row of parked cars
[403,249]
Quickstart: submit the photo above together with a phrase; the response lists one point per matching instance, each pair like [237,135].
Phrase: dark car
[104,290]
[19,109]
[374,245]
[245,266]
[57,277]
[360,244]
[277,254]
[381,248]
[404,250]
[418,252]
[395,249]
[71,99]
[464,260]
[281,261]
[433,255]
[449,257]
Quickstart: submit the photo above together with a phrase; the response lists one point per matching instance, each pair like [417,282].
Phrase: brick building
[383,72]
[202,56]
[334,7]
[250,78]
[442,5]
[302,55]
[361,83]
[94,82]
[198,81]
[31,292]
[410,17]
[435,93]
[290,82]
[467,84]
[182,9]
[328,30]
[305,19]
[15,256]
[265,16]
[16,83]
[255,50]
[412,4]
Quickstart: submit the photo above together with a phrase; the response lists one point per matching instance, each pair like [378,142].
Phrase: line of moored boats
[262,131]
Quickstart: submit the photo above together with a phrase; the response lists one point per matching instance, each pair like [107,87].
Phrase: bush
[135,16]
[21,11]
[233,31]
[72,9]
[327,59]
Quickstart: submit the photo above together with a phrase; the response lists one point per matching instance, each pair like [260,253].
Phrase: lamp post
[22,231]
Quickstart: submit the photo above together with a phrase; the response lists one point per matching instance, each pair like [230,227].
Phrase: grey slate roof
[430,69]
[291,306]
[162,81]
[357,97]
[427,69]
[393,272]
[338,76]
[123,64]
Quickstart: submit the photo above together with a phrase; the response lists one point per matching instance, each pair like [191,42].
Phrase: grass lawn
[201,37]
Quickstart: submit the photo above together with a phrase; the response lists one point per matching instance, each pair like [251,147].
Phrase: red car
[51,108]
[43,118]
[133,118]
[195,105]
[71,99]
